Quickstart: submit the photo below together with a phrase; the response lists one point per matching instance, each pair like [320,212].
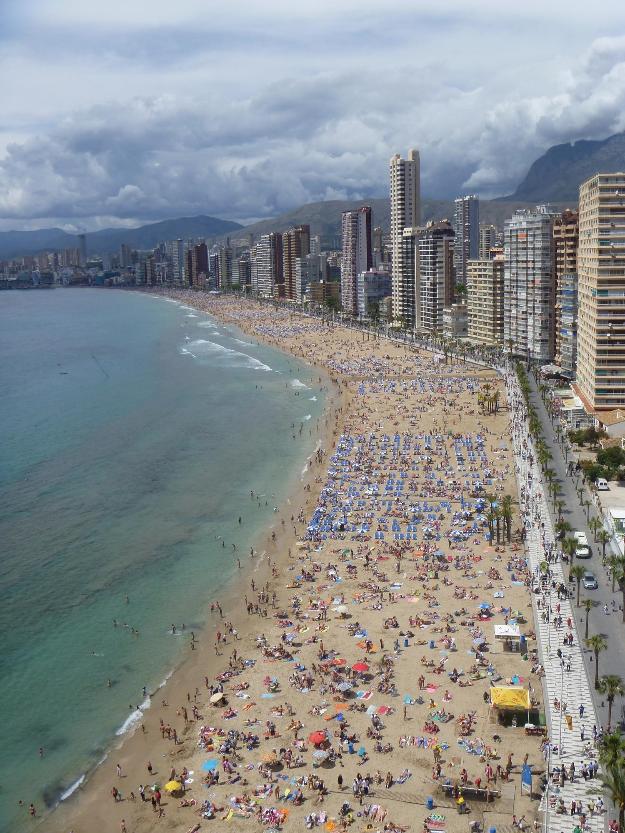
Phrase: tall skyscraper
[566,239]
[467,231]
[485,298]
[405,175]
[125,256]
[267,265]
[356,256]
[82,247]
[530,285]
[434,275]
[489,239]
[295,243]
[601,292]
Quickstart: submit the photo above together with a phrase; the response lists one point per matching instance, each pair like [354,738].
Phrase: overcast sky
[116,112]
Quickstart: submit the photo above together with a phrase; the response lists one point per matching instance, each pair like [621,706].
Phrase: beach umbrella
[360,667]
[317,738]
[484,606]
[338,661]
[210,765]
[173,786]
[341,609]
[270,758]
[320,754]
[344,686]
[216,697]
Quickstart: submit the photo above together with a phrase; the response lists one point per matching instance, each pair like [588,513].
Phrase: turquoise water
[132,432]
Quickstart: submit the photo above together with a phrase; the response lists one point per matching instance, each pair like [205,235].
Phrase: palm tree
[604,540]
[611,686]
[506,514]
[596,643]
[577,572]
[588,605]
[594,525]
[569,546]
[613,780]
[587,504]
[611,748]
[563,526]
[613,563]
[560,504]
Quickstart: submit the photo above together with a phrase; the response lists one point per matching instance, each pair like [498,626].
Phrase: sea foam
[297,384]
[204,347]
[73,787]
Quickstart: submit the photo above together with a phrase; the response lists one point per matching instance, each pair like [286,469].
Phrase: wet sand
[390,588]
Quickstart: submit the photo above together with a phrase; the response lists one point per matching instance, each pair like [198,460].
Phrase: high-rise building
[295,243]
[530,285]
[307,271]
[243,269]
[485,298]
[267,266]
[373,286]
[566,238]
[601,292]
[489,239]
[435,277]
[82,247]
[467,231]
[356,255]
[125,256]
[175,251]
[405,176]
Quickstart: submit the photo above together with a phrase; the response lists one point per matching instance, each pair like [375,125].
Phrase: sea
[133,429]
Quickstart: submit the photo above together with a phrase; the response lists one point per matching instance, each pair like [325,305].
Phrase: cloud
[247,112]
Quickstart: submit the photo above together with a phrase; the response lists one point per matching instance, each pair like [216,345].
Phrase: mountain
[18,243]
[558,173]
[324,218]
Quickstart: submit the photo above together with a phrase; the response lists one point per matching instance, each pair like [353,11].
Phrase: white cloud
[119,111]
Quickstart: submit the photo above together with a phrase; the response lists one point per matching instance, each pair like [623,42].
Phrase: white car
[590,582]
[581,539]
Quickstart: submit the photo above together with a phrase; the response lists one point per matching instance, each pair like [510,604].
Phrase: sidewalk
[570,687]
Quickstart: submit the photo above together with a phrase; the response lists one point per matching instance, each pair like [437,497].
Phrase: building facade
[467,234]
[266,265]
[373,286]
[566,239]
[489,239]
[405,177]
[295,243]
[435,275]
[356,256]
[530,285]
[600,379]
[485,279]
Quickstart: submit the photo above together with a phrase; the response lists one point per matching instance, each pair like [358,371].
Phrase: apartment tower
[434,271]
[357,254]
[530,285]
[467,231]
[405,177]
[295,243]
[485,298]
[566,239]
[601,292]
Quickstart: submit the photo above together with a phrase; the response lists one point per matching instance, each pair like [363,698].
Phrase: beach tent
[509,697]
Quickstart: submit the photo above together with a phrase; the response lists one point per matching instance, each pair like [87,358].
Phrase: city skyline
[214,111]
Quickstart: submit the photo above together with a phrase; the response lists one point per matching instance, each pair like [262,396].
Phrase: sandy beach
[349,667]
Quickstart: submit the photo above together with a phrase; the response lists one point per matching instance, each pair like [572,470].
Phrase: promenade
[568,697]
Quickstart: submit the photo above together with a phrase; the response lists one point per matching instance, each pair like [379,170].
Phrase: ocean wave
[246,343]
[295,383]
[190,315]
[307,417]
[204,347]
[313,399]
[72,789]
[135,717]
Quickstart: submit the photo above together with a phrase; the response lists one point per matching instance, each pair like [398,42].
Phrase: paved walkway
[568,687]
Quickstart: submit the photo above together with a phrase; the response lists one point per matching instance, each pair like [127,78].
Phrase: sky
[119,112]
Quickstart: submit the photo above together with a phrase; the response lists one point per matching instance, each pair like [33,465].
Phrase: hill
[558,173]
[18,243]
[324,218]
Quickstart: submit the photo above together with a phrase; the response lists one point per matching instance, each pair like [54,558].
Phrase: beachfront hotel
[566,239]
[485,299]
[601,292]
[405,175]
[357,255]
[529,285]
[467,231]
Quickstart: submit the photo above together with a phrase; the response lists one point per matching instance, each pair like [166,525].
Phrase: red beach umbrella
[338,661]
[360,667]
[317,738]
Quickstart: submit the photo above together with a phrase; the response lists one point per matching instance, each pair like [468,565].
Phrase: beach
[350,666]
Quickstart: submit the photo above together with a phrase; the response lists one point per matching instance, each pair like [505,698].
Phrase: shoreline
[433,411]
[80,791]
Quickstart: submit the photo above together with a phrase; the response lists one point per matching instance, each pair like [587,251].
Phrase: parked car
[580,537]
[602,484]
[590,582]
[583,551]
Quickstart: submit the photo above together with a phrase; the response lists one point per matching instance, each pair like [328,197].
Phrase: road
[612,660]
